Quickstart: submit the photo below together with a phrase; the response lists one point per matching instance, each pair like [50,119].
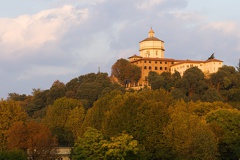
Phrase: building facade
[152,58]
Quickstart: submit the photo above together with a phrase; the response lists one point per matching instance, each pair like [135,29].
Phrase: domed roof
[151,36]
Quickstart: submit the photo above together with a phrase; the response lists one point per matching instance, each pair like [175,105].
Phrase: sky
[42,41]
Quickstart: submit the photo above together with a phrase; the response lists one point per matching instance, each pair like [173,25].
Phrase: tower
[151,47]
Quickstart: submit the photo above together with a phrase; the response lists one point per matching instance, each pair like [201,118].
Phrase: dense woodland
[183,118]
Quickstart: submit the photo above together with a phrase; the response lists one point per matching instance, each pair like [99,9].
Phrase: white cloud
[226,27]
[150,3]
[27,33]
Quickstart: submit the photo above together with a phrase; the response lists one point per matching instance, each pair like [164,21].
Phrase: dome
[151,36]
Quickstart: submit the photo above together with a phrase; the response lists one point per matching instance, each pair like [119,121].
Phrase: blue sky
[46,40]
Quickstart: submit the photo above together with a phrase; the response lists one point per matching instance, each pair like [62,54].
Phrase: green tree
[93,145]
[37,102]
[126,72]
[121,147]
[176,77]
[189,136]
[75,120]
[212,95]
[227,82]
[152,117]
[13,155]
[227,121]
[57,116]
[57,90]
[192,83]
[72,87]
[92,86]
[89,146]
[96,115]
[141,114]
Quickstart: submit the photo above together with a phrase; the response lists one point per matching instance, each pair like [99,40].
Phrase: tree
[72,87]
[96,115]
[37,102]
[224,78]
[75,120]
[189,136]
[152,117]
[16,97]
[176,77]
[192,83]
[155,80]
[57,90]
[10,112]
[212,95]
[92,86]
[227,121]
[126,72]
[13,155]
[93,145]
[57,117]
[227,82]
[121,147]
[141,114]
[34,138]
[89,146]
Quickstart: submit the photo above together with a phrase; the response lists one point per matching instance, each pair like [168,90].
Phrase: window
[145,67]
[149,61]
[150,67]
[156,68]
[165,68]
[155,62]
[165,62]
[160,62]
[160,68]
[145,61]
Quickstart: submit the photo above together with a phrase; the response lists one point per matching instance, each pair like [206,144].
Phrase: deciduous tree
[126,72]
[10,112]
[34,138]
[229,139]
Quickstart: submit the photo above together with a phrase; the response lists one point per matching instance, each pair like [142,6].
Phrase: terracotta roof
[196,61]
[156,59]
[151,39]
[214,60]
[135,56]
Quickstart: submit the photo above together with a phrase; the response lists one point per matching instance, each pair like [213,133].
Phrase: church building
[152,58]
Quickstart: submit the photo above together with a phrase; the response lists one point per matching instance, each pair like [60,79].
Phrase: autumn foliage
[32,137]
[188,117]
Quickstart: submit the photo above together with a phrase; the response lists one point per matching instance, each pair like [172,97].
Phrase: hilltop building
[152,58]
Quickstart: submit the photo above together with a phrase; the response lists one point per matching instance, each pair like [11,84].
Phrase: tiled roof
[151,39]
[135,56]
[196,61]
[156,59]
